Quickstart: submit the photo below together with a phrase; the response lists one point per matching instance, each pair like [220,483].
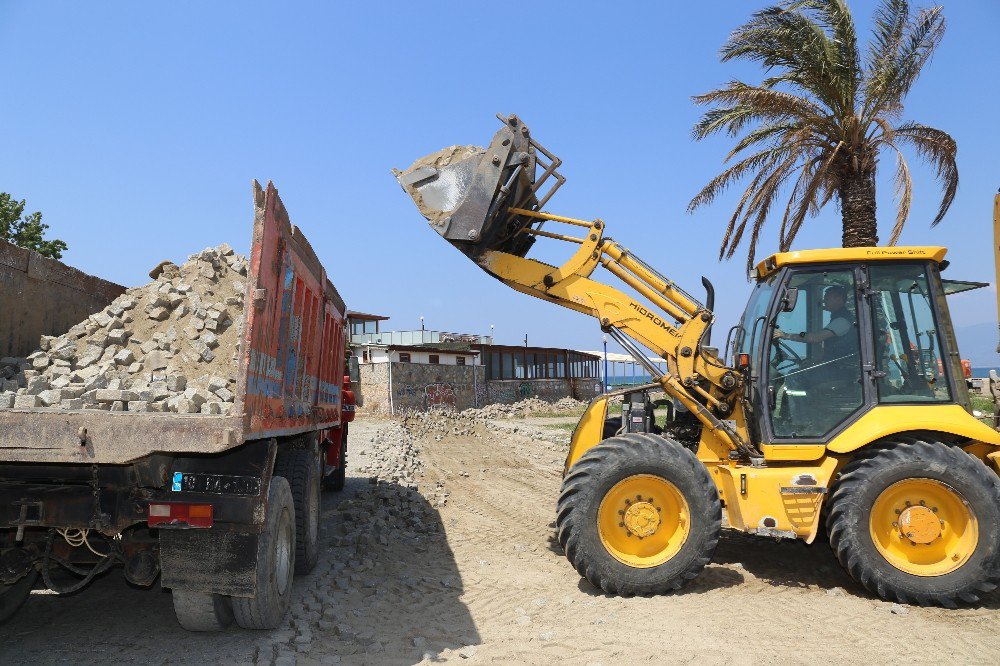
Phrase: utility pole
[607,386]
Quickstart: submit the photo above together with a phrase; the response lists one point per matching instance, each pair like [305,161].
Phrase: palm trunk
[857,208]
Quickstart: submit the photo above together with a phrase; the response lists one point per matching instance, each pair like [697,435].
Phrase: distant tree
[821,117]
[27,231]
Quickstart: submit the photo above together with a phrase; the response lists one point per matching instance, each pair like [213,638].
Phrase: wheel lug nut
[621,513]
[934,509]
[639,497]
[621,524]
[898,512]
[922,503]
[895,524]
[909,503]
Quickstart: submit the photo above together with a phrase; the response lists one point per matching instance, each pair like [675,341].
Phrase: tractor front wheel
[918,521]
[639,514]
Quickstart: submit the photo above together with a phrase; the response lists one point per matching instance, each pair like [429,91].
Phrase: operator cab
[833,333]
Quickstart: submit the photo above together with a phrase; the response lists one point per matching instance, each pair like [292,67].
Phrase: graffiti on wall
[439,395]
[526,389]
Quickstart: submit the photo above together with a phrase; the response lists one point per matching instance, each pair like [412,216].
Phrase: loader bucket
[467,192]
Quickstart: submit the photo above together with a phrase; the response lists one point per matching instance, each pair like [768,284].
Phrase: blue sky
[136,129]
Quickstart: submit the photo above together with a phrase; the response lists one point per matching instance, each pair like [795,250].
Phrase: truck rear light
[180,514]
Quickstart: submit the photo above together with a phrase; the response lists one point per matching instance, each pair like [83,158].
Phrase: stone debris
[168,346]
[525,407]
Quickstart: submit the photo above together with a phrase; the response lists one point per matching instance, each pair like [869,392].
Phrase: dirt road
[464,567]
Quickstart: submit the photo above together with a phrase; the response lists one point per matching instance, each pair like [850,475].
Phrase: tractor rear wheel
[918,521]
[639,514]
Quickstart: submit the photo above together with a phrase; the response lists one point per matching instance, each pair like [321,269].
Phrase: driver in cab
[836,342]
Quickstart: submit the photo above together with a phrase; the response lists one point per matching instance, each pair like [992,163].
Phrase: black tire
[13,596]
[302,470]
[275,563]
[596,473]
[875,470]
[202,611]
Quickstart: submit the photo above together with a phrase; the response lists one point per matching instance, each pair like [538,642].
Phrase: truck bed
[288,373]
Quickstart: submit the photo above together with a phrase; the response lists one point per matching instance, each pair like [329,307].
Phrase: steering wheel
[788,355]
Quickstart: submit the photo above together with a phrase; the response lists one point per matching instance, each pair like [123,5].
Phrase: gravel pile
[525,407]
[168,346]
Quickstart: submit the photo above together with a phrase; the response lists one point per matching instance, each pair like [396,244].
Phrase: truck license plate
[219,484]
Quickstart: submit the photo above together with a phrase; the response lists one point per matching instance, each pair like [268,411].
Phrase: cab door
[814,380]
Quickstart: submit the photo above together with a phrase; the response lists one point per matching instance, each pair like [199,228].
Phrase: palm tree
[819,121]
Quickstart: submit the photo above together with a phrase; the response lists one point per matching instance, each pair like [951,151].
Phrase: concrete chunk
[51,397]
[112,395]
[27,402]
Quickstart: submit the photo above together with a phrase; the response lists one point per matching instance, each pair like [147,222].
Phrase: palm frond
[938,148]
[903,188]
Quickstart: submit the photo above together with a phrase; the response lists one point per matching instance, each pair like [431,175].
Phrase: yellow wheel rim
[643,521]
[923,527]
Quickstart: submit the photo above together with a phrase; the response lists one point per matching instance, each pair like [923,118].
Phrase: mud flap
[209,561]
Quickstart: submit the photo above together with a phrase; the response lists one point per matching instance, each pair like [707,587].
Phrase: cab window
[908,355]
[814,356]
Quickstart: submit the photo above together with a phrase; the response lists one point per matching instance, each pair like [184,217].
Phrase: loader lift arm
[695,377]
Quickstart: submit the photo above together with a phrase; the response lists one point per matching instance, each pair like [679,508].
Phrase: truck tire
[917,521]
[639,514]
[335,480]
[13,596]
[275,563]
[302,471]
[202,611]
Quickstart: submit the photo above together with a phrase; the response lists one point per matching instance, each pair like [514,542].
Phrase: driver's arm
[815,336]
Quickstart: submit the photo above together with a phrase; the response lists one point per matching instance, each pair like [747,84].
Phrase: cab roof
[854,254]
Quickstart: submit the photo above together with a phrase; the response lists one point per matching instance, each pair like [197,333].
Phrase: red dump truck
[222,508]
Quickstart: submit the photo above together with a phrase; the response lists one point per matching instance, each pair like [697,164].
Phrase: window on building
[404,357]
[508,365]
[460,360]
[561,367]
[530,365]
[519,366]
[434,359]
[493,365]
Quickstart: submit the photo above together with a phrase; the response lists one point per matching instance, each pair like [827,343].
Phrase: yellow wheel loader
[838,401]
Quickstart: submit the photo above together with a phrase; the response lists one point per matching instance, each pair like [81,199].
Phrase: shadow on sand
[389,594]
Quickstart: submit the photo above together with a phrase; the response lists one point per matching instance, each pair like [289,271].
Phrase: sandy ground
[468,569]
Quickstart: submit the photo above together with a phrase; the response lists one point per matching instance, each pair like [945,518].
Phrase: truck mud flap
[215,561]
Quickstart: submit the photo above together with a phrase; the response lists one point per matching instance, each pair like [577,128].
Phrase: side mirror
[353,369]
[790,298]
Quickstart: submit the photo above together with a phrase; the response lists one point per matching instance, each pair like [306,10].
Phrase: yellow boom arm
[697,379]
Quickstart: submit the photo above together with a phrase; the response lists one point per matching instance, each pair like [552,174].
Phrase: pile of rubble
[168,346]
[524,408]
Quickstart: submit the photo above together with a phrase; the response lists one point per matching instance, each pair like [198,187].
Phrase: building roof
[485,347]
[447,348]
[364,316]
[614,357]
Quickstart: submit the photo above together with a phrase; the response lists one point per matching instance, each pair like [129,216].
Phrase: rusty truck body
[223,509]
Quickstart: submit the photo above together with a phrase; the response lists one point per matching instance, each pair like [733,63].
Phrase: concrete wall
[416,386]
[40,296]
[373,393]
[586,389]
[513,390]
